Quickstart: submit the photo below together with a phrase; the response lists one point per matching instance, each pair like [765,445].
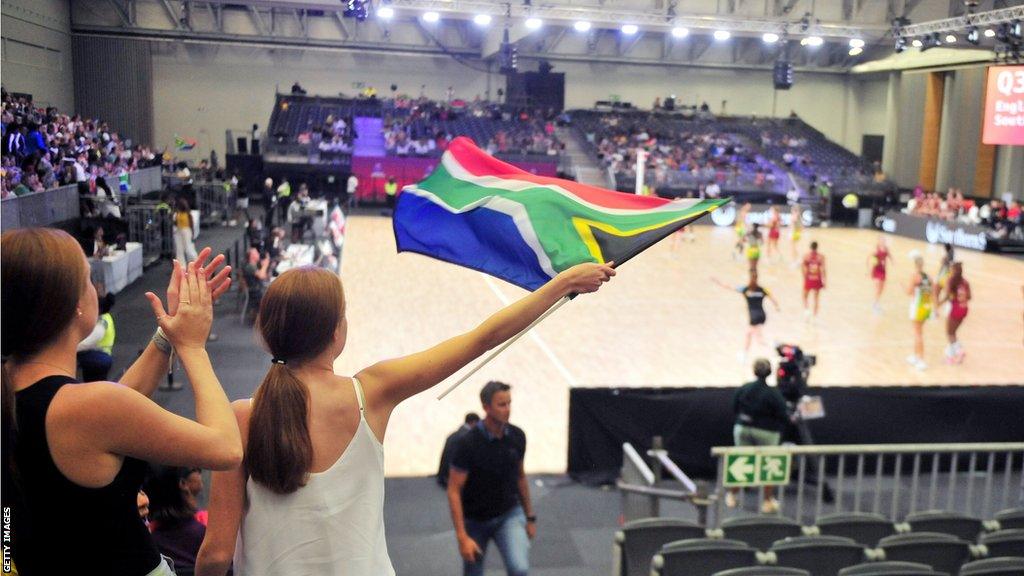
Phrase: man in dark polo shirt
[487,488]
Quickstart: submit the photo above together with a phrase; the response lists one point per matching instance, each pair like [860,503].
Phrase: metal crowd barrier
[62,203]
[642,489]
[215,203]
[41,208]
[890,479]
[153,228]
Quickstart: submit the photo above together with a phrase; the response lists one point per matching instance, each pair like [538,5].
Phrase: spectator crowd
[44,148]
[1003,217]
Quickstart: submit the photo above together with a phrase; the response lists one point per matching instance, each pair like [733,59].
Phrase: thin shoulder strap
[359,394]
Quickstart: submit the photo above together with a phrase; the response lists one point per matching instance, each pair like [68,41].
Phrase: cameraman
[791,378]
[761,416]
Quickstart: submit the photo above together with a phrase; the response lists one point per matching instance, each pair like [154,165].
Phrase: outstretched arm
[389,382]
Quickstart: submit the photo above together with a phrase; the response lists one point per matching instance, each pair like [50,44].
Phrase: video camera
[793,372]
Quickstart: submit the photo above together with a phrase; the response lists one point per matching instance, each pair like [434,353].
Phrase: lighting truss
[980,19]
[648,20]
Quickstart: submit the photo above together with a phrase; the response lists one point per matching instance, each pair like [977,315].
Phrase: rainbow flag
[479,212]
[184,144]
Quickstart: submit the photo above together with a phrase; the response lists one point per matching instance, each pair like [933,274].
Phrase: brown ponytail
[298,318]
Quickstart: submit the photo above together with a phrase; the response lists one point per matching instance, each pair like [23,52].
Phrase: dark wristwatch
[532,519]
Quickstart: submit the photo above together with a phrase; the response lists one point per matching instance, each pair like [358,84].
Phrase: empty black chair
[702,557]
[1004,542]
[863,527]
[890,568]
[1012,518]
[994,567]
[819,555]
[760,531]
[764,571]
[640,540]
[943,552]
[946,522]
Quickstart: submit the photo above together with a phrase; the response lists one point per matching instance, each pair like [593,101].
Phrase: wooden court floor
[661,322]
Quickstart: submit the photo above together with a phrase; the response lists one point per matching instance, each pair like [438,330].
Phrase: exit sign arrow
[742,468]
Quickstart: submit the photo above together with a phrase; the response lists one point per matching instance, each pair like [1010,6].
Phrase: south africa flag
[183,143]
[479,212]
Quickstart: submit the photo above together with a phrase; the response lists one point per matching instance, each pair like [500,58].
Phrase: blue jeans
[509,532]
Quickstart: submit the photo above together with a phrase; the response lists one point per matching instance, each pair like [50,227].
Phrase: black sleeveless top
[61,527]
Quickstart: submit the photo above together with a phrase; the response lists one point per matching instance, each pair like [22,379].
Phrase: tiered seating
[994,567]
[864,528]
[760,532]
[944,522]
[766,144]
[701,557]
[1004,542]
[820,555]
[930,543]
[639,540]
[890,568]
[943,552]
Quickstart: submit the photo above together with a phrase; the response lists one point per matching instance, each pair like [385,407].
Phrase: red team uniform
[958,301]
[812,272]
[878,270]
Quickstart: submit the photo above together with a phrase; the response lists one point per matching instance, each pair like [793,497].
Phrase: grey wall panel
[911,122]
[114,82]
[965,107]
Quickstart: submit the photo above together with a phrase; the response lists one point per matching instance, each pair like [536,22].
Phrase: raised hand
[219,282]
[189,327]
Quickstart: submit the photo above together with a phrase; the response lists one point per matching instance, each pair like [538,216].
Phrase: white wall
[36,50]
[867,110]
[824,100]
[201,91]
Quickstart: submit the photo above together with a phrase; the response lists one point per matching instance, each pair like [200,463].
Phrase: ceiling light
[856,43]
[722,35]
[901,44]
[1017,30]
[973,35]
[855,51]
[482,19]
[770,37]
[629,29]
[534,23]
[431,16]
[680,32]
[917,43]
[989,33]
[385,12]
[950,39]
[813,41]
[581,26]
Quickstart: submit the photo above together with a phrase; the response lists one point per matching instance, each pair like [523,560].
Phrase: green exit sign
[756,469]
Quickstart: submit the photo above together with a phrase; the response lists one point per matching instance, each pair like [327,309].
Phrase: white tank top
[334,525]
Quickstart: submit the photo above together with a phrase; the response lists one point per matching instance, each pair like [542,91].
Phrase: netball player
[877,263]
[814,278]
[958,293]
[754,294]
[920,292]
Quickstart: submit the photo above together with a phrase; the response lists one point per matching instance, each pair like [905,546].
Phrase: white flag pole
[641,165]
[501,349]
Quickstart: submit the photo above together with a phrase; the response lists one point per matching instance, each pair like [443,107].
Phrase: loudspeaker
[536,90]
[242,144]
[782,75]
